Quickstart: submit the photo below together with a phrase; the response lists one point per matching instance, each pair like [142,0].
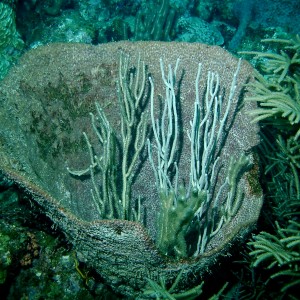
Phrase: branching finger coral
[158,290]
[276,90]
[109,201]
[273,104]
[280,251]
[288,157]
[278,64]
[180,205]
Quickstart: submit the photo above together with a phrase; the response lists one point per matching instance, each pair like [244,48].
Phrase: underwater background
[36,262]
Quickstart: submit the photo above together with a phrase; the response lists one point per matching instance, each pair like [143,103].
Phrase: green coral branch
[160,290]
[278,91]
[104,198]
[110,201]
[289,274]
[293,43]
[133,124]
[181,205]
[286,158]
[273,104]
[281,250]
[278,64]
[281,161]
